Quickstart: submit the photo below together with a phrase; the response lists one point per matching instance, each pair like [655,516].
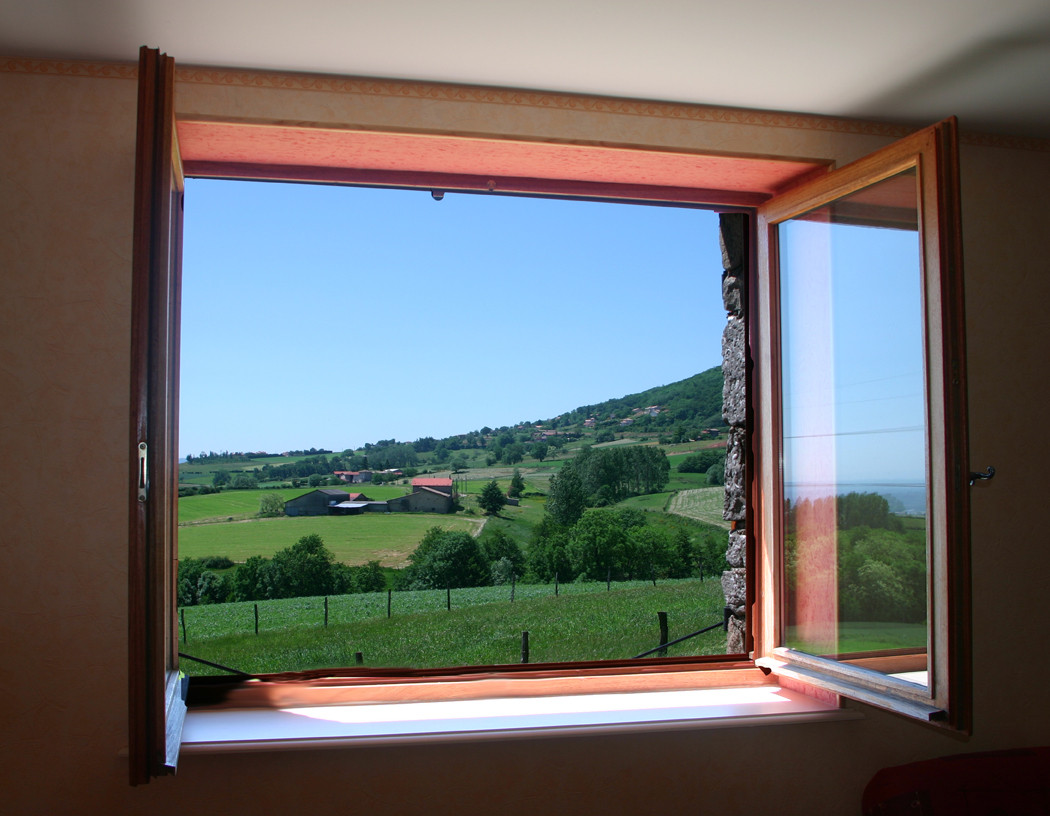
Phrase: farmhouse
[354,476]
[429,495]
[436,484]
[592,90]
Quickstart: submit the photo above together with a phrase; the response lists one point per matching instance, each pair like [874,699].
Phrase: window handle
[988,474]
[143,486]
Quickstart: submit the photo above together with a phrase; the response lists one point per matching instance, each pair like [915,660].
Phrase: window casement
[928,158]
[860,361]
[156,693]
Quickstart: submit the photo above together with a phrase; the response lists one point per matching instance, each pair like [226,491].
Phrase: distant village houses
[354,476]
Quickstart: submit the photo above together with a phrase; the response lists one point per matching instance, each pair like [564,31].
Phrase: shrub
[216,562]
[271,505]
[701,462]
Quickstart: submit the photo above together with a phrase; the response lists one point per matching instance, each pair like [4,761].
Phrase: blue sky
[318,316]
[854,381]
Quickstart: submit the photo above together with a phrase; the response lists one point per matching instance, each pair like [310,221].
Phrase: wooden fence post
[257,619]
[524,647]
[448,598]
[389,595]
[513,584]
[325,611]
[662,616]
[555,585]
[182,616]
[359,659]
[608,580]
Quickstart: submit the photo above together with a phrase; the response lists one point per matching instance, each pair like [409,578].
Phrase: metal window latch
[988,474]
[143,486]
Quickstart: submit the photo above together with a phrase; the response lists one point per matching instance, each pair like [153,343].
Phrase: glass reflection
[854,430]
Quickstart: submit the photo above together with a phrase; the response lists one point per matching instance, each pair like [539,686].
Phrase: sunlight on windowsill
[495,718]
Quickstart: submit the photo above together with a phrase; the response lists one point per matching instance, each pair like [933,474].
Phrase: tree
[305,568]
[539,450]
[248,580]
[701,462]
[445,558]
[547,556]
[458,464]
[513,453]
[517,485]
[219,478]
[498,545]
[597,546]
[492,499]
[244,481]
[271,505]
[212,589]
[565,498]
[369,578]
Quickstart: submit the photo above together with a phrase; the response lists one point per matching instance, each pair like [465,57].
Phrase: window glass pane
[855,508]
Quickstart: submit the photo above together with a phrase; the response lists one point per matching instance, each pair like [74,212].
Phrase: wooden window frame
[933,153]
[157,705]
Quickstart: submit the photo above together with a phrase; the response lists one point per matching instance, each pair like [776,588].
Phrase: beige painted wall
[66,171]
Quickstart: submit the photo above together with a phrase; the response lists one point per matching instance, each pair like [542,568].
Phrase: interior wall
[66,191]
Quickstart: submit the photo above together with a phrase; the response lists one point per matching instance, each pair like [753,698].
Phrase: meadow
[237,505]
[384,537]
[703,504]
[584,621]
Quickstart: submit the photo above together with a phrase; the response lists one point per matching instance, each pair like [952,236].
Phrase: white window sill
[498,718]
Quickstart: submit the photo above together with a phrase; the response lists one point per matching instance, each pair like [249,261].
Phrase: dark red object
[995,783]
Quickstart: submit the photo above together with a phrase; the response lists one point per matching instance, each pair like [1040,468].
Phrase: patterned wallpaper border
[322,83]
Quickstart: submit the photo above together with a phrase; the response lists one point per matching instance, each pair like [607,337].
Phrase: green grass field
[584,622]
[244,504]
[384,537]
[703,504]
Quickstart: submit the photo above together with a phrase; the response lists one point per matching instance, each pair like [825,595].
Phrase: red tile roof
[425,482]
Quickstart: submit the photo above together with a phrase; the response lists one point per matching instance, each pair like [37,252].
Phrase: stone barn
[315,503]
[428,496]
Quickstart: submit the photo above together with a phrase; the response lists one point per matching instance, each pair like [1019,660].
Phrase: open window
[907,191]
[862,494]
[156,692]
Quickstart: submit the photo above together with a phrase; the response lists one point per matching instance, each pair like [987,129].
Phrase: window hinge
[143,486]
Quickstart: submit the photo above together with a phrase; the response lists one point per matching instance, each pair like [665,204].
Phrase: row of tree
[307,568]
[453,559]
[621,544]
[597,477]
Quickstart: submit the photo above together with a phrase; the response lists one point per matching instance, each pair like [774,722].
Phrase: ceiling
[908,61]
